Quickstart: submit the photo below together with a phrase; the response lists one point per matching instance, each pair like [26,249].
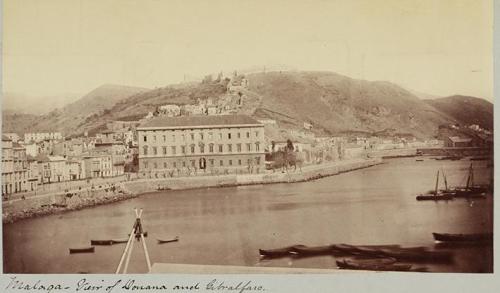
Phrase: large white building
[223,144]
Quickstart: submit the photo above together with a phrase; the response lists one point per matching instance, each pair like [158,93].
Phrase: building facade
[199,144]
[39,136]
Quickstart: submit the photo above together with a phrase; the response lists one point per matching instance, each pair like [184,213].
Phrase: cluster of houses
[226,104]
[43,158]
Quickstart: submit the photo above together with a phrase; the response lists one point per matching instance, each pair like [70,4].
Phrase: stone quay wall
[463,151]
[306,174]
[49,204]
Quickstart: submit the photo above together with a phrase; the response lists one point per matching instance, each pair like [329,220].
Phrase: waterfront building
[33,173]
[7,165]
[14,167]
[20,167]
[220,144]
[117,151]
[97,165]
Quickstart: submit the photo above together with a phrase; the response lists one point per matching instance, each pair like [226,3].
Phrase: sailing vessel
[470,190]
[437,194]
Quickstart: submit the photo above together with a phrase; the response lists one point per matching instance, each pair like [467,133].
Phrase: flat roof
[218,121]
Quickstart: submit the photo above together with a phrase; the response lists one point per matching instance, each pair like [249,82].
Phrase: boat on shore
[161,241]
[82,250]
[372,265]
[478,237]
[277,252]
[303,250]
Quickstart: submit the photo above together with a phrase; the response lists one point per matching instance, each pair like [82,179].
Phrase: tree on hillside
[289,146]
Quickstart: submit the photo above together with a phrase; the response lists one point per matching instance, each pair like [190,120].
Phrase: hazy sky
[439,47]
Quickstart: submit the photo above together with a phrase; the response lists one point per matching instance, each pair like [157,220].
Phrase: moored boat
[161,241]
[437,194]
[82,250]
[277,252]
[101,242]
[303,250]
[372,266]
[478,237]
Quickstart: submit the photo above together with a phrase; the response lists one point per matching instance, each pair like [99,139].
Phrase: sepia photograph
[247,137]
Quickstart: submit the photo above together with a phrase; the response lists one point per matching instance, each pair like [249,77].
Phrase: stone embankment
[48,204]
[307,173]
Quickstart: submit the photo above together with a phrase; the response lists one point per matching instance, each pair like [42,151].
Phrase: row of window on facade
[202,163]
[192,149]
[201,136]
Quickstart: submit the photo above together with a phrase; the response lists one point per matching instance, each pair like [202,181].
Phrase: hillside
[342,105]
[18,123]
[90,107]
[466,110]
[37,105]
[332,103]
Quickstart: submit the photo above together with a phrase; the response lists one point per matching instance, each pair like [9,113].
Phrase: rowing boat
[303,250]
[161,241]
[101,242]
[82,250]
[480,237]
[277,252]
[372,266]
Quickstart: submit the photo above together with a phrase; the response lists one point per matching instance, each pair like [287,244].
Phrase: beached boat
[303,250]
[277,252]
[161,241]
[372,265]
[479,237]
[82,250]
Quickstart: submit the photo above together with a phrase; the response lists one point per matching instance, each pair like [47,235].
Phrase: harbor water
[227,226]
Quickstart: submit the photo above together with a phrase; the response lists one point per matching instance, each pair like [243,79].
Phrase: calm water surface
[227,226]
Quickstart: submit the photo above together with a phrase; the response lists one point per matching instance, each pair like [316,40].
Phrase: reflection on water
[227,226]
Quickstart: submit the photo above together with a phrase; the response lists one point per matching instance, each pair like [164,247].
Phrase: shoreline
[60,203]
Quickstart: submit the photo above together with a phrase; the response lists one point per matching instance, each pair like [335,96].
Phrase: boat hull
[82,250]
[445,237]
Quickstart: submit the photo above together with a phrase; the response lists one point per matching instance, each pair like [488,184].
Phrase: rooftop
[192,121]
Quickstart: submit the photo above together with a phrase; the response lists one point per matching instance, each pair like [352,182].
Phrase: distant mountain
[27,104]
[466,110]
[92,105]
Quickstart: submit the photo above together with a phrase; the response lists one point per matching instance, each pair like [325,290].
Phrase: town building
[53,169]
[221,143]
[12,135]
[39,136]
[14,167]
[455,141]
[7,166]
[97,165]
[33,174]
